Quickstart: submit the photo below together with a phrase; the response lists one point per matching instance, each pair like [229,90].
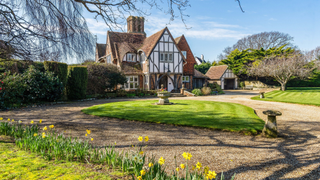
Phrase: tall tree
[204,67]
[283,68]
[265,40]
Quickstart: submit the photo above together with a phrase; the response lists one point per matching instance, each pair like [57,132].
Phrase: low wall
[187,93]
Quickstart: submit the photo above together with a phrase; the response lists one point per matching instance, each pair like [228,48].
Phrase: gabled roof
[198,74]
[199,60]
[151,41]
[216,72]
[177,40]
[121,43]
[101,50]
[132,68]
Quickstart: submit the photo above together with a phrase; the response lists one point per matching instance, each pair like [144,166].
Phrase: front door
[170,84]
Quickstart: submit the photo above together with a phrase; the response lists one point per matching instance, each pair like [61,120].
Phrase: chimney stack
[202,57]
[135,24]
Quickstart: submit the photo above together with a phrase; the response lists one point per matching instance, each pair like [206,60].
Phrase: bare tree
[283,67]
[49,56]
[313,54]
[263,40]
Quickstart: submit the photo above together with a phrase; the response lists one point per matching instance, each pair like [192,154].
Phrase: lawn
[19,164]
[303,95]
[207,114]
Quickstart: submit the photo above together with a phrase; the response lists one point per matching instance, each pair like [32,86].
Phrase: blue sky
[216,24]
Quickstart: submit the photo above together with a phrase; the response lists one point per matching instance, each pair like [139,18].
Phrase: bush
[59,69]
[77,82]
[197,92]
[241,84]
[102,77]
[12,89]
[121,93]
[206,90]
[19,66]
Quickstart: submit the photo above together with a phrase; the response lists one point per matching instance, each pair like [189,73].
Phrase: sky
[213,25]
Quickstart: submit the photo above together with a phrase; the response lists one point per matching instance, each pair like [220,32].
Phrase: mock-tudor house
[149,62]
[223,76]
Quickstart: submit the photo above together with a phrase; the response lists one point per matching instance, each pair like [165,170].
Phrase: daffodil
[198,165]
[139,178]
[146,139]
[140,138]
[35,134]
[177,169]
[88,131]
[182,166]
[32,122]
[51,126]
[187,156]
[86,135]
[211,175]
[141,152]
[45,128]
[8,119]
[140,160]
[91,139]
[150,164]
[12,120]
[115,143]
[43,135]
[206,169]
[1,118]
[19,121]
[193,167]
[40,121]
[132,145]
[161,161]
[142,172]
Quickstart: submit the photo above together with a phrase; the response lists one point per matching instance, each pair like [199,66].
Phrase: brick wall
[189,67]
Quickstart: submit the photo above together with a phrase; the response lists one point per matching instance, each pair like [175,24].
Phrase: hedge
[77,82]
[19,66]
[59,69]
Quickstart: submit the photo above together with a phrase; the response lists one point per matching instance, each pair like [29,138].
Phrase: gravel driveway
[294,155]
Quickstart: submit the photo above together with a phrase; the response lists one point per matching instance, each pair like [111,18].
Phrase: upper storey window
[166,57]
[184,53]
[130,57]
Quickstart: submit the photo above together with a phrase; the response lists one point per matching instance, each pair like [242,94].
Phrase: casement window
[109,59]
[166,56]
[131,58]
[184,53]
[132,82]
[185,78]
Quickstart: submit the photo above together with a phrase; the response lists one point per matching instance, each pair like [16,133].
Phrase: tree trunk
[283,87]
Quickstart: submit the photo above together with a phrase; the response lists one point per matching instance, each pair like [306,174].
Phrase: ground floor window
[132,82]
[185,78]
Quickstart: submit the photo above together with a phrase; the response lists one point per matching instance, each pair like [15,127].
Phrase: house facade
[149,62]
[223,76]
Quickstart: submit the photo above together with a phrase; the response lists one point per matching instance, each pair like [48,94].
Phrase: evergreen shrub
[59,69]
[77,82]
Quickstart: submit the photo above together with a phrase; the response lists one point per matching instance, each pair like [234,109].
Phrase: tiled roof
[121,43]
[199,59]
[177,40]
[198,74]
[131,68]
[151,41]
[215,72]
[101,50]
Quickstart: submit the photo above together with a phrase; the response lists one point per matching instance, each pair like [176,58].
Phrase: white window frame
[185,79]
[184,53]
[109,59]
[165,57]
[132,80]
[132,59]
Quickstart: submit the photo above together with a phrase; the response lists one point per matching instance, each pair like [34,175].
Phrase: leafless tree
[263,40]
[49,56]
[313,54]
[283,67]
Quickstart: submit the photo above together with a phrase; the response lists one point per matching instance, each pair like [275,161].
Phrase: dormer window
[130,57]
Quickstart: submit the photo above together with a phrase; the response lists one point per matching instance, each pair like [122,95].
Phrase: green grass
[208,114]
[19,164]
[303,95]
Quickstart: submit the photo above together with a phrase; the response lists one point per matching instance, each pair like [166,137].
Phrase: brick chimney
[135,24]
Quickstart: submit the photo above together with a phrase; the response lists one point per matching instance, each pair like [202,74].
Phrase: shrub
[121,93]
[12,89]
[19,66]
[131,95]
[59,69]
[197,92]
[102,77]
[77,82]
[206,90]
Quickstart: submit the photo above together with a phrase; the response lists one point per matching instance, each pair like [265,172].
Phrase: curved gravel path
[294,155]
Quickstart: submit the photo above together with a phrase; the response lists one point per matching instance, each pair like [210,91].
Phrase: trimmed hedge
[19,66]
[77,82]
[59,69]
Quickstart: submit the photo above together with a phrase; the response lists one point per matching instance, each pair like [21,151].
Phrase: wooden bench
[248,87]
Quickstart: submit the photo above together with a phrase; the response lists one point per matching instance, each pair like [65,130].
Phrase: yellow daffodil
[150,164]
[43,135]
[115,143]
[146,139]
[86,135]
[8,119]
[19,121]
[182,166]
[141,152]
[198,165]
[206,169]
[177,169]
[142,172]
[91,139]
[139,178]
[88,131]
[161,161]
[51,126]
[45,128]
[140,138]
[32,122]
[35,134]
[132,145]
[193,167]
[187,156]
[1,118]
[40,121]
[211,175]
[12,120]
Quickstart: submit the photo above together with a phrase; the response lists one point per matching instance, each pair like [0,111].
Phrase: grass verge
[19,164]
[298,95]
[207,114]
